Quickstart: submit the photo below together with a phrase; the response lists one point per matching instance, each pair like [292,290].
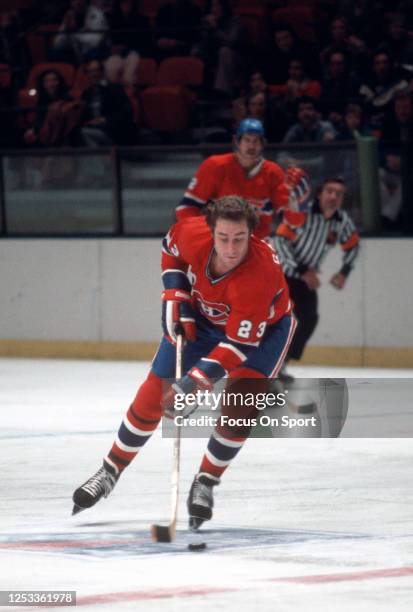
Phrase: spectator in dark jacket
[352,123]
[131,36]
[398,125]
[339,84]
[342,39]
[108,114]
[178,26]
[397,40]
[130,29]
[381,86]
[283,47]
[222,47]
[309,127]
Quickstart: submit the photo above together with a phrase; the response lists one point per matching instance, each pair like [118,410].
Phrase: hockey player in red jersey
[245,173]
[225,288]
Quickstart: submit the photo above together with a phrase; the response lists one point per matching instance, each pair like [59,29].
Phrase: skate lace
[202,494]
[101,482]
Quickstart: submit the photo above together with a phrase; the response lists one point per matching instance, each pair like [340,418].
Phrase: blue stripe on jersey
[165,246]
[186,201]
[221,451]
[131,439]
[277,297]
[243,347]
[212,369]
[175,279]
[267,207]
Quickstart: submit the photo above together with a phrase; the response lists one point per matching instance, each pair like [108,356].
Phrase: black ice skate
[96,487]
[200,501]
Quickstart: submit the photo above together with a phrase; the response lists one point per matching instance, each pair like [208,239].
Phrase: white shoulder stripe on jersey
[173,270]
[191,196]
[256,169]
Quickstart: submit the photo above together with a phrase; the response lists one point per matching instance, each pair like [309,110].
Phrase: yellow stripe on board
[378,357]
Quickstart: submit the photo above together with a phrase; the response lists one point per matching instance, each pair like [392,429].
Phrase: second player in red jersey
[244,173]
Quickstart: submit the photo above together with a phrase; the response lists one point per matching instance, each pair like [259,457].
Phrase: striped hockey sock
[221,450]
[138,425]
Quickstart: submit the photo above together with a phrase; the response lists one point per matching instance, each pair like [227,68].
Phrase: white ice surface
[337,511]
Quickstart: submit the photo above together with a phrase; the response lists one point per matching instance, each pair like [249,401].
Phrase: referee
[301,251]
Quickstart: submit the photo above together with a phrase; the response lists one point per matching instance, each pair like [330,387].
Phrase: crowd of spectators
[95,73]
[350,72]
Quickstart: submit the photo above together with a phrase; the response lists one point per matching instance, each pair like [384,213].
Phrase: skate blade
[77,509]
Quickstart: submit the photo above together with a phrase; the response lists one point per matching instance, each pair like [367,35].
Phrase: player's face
[331,198]
[231,242]
[249,150]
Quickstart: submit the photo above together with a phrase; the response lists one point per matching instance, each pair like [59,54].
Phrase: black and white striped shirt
[306,246]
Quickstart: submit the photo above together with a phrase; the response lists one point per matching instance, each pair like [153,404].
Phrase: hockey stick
[166,533]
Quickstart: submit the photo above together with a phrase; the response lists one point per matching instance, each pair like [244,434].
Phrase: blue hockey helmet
[250,126]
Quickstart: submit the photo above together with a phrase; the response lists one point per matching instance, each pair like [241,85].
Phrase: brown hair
[331,179]
[233,208]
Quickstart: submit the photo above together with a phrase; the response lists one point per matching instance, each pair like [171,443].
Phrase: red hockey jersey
[242,302]
[222,175]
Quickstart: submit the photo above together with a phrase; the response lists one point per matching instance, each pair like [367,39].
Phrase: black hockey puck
[197,547]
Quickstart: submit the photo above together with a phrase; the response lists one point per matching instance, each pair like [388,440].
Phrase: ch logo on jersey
[216,312]
[171,247]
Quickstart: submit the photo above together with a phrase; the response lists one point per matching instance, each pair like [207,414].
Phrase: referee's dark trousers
[305,302]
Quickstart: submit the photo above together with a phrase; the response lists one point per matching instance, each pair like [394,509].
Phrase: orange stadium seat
[181,71]
[147,72]
[165,109]
[66,70]
[5,76]
[146,75]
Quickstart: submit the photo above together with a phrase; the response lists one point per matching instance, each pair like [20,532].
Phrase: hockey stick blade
[163,533]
